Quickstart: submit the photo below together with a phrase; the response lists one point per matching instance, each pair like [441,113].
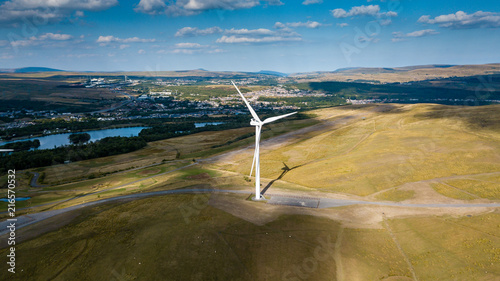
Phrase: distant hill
[398,74]
[29,69]
[35,69]
[375,70]
[274,73]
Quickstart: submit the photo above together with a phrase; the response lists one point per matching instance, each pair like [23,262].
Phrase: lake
[51,141]
[48,142]
[17,199]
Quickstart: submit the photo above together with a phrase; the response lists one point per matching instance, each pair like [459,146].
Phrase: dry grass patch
[441,248]
[451,192]
[370,254]
[484,189]
[396,195]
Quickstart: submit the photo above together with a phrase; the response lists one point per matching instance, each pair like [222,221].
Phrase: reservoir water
[17,199]
[51,141]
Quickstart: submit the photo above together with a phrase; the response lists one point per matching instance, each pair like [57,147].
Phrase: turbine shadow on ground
[285,169]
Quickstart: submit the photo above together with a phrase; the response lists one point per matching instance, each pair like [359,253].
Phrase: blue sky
[246,35]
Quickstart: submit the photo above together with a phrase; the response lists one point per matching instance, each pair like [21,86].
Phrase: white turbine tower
[258,127]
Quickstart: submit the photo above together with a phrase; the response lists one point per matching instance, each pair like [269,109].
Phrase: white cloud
[261,35]
[190,45]
[111,39]
[81,55]
[461,19]
[49,10]
[253,32]
[420,33]
[400,36]
[189,48]
[308,24]
[194,31]
[55,36]
[196,51]
[267,39]
[385,22]
[192,7]
[370,10]
[79,14]
[141,52]
[344,24]
[309,2]
[46,37]
[6,57]
[124,46]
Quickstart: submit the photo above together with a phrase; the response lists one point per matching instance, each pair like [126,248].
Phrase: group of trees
[79,138]
[22,145]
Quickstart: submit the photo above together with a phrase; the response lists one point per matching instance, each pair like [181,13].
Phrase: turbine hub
[254,123]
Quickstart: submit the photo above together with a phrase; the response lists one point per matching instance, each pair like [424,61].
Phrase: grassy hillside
[409,153]
[385,147]
[152,239]
[400,74]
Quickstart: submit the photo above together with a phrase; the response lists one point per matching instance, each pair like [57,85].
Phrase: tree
[79,138]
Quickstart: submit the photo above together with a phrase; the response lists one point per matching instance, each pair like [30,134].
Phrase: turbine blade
[254,115]
[272,119]
[255,153]
[253,163]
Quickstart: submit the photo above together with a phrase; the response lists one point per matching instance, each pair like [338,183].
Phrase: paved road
[289,200]
[115,187]
[34,180]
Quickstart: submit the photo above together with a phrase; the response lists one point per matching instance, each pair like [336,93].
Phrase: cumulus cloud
[261,35]
[420,33]
[308,24]
[6,57]
[194,31]
[244,35]
[55,36]
[310,2]
[370,10]
[191,48]
[251,32]
[267,39]
[400,36]
[112,39]
[192,7]
[190,45]
[385,22]
[461,19]
[41,39]
[49,10]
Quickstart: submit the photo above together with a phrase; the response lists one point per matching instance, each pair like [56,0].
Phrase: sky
[246,35]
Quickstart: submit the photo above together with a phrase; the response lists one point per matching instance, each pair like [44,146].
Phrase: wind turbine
[258,127]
